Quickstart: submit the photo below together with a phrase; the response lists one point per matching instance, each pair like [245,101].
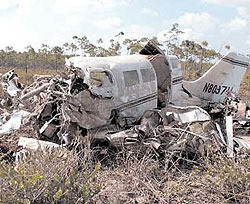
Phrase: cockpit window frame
[101,70]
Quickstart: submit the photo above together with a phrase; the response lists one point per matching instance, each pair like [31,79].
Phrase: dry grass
[63,177]
[245,86]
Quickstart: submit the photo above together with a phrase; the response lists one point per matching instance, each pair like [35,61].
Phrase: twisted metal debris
[62,108]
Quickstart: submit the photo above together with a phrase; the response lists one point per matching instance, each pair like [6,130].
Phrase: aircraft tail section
[223,77]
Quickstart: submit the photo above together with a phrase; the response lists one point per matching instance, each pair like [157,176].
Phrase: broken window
[131,78]
[102,78]
[147,75]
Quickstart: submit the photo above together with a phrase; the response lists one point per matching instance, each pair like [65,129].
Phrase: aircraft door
[130,93]
[140,92]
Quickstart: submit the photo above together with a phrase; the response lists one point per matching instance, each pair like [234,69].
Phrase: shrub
[49,177]
[230,177]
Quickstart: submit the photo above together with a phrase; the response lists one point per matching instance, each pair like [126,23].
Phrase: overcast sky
[54,22]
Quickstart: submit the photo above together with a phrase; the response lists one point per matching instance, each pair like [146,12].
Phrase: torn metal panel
[151,49]
[100,133]
[118,139]
[31,144]
[88,111]
[186,114]
[220,133]
[174,140]
[242,107]
[48,129]
[161,65]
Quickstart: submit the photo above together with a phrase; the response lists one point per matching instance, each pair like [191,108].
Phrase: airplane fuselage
[137,83]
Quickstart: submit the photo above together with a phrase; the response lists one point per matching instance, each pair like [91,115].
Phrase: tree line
[193,55]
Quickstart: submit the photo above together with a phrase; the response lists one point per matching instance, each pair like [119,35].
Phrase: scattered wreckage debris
[64,107]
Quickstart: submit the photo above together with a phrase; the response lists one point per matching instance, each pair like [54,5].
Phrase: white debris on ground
[14,123]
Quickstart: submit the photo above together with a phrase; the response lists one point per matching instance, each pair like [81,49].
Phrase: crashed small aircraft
[98,96]
[137,83]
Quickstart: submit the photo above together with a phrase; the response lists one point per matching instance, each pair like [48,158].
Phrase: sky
[54,22]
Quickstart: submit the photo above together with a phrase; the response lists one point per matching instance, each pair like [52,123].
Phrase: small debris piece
[229,129]
[14,123]
[34,144]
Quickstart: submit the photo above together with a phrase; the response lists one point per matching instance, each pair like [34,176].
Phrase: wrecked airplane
[126,100]
[137,83]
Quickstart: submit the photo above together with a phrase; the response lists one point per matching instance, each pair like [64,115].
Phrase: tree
[83,43]
[31,57]
[73,48]
[44,52]
[172,38]
[66,48]
[134,46]
[57,52]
